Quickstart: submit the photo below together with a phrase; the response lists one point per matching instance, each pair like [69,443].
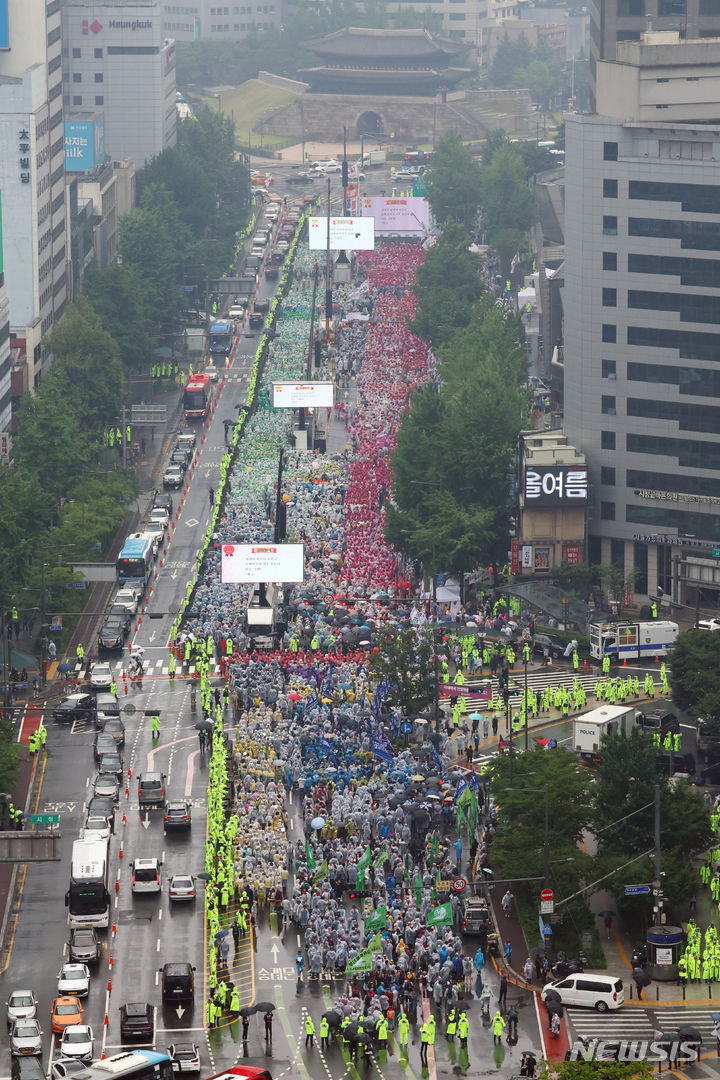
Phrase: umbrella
[641,977]
[417,777]
[554,1007]
[539,950]
[333,1018]
[475,716]
[688,1032]
[602,914]
[293,697]
[263,1006]
[317,823]
[552,995]
[65,667]
[247,1010]
[351,1030]
[221,934]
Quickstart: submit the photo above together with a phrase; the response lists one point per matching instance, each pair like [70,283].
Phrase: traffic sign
[459,884]
[547,930]
[637,890]
[716,553]
[44,819]
[546,907]
[406,727]
[546,894]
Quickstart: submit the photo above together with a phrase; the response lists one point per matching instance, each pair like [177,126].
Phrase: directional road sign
[637,890]
[44,819]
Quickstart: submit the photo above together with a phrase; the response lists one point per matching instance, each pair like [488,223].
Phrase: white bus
[88,899]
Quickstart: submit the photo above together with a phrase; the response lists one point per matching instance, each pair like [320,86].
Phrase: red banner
[572,553]
[515,557]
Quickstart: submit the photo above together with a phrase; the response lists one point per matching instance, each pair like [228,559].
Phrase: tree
[495,139]
[542,78]
[454,184]
[449,282]
[8,756]
[508,208]
[117,296]
[510,57]
[695,680]
[147,243]
[588,1070]
[88,360]
[405,659]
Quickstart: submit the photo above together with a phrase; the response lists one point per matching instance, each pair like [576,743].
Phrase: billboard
[287,395]
[245,563]
[84,143]
[410,214]
[4,34]
[346,233]
[556,485]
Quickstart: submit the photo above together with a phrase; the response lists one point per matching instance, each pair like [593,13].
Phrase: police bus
[197,398]
[220,337]
[131,1064]
[134,562]
[88,899]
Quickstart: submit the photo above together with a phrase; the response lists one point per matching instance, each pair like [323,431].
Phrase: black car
[177,815]
[101,807]
[74,707]
[554,646]
[137,1021]
[26,1068]
[178,982]
[164,502]
[123,616]
[111,637]
[111,763]
[272,273]
[104,744]
[180,457]
[84,946]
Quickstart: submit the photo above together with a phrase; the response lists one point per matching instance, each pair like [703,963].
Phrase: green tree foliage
[508,208]
[589,1070]
[695,680]
[88,361]
[147,243]
[8,756]
[624,817]
[543,78]
[405,659]
[453,188]
[510,57]
[117,296]
[448,284]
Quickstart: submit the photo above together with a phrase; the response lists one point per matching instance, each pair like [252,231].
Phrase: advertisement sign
[346,233]
[287,395]
[527,557]
[84,143]
[245,563]
[663,956]
[514,557]
[407,215]
[572,554]
[556,485]
[4,35]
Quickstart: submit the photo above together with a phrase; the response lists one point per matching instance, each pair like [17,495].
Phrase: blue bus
[220,337]
[134,562]
[133,1064]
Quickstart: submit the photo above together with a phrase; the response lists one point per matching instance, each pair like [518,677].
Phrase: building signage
[244,563]
[4,36]
[677,496]
[302,395]
[406,215]
[24,155]
[130,24]
[346,233]
[556,485]
[678,541]
[84,144]
[572,554]
[527,556]
[514,557]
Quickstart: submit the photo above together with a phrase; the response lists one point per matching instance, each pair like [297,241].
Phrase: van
[178,982]
[146,876]
[476,917]
[151,789]
[106,705]
[600,992]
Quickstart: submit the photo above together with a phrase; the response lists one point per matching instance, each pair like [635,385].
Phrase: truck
[261,616]
[589,729]
[632,640]
[375,158]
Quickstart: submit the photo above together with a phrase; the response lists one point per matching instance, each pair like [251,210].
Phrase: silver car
[25,1038]
[182,887]
[21,1005]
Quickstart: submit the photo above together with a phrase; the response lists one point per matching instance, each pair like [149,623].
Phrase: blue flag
[325,746]
[313,702]
[437,759]
[474,782]
[462,784]
[380,744]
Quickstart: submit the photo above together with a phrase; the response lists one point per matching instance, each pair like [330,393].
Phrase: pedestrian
[403,1032]
[555,1026]
[268,1018]
[211,495]
[638,976]
[507,902]
[502,999]
[608,925]
[463,1027]
[508,951]
[498,1025]
[155,726]
[245,1027]
[309,1030]
[528,970]
[201,740]
[512,1021]
[381,1032]
[424,1035]
[324,1032]
[235,933]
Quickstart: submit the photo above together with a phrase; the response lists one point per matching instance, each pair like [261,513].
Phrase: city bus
[88,899]
[197,398]
[220,337]
[135,562]
[131,1064]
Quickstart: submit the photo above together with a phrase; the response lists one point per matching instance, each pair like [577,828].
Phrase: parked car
[600,992]
[21,1005]
[74,707]
[137,1021]
[177,815]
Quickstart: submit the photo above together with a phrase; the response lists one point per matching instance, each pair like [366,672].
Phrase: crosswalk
[161,666]
[638,1023]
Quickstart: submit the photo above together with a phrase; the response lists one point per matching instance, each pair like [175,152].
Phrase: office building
[117,61]
[209,21]
[614,21]
[642,313]
[5,364]
[36,249]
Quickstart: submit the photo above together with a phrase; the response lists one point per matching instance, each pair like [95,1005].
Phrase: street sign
[546,907]
[546,894]
[44,819]
[459,884]
[547,930]
[406,727]
[637,890]
[716,553]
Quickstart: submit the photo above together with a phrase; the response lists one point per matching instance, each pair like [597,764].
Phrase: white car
[21,1005]
[709,624]
[25,1038]
[182,887]
[78,1042]
[67,1069]
[185,1057]
[173,477]
[74,979]
[101,677]
[128,598]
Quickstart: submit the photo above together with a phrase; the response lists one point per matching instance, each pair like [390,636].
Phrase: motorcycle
[639,956]
[565,965]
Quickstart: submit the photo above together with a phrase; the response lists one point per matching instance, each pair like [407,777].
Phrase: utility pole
[527,717]
[278,497]
[657,884]
[546,845]
[328,283]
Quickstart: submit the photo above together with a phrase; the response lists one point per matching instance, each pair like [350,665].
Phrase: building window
[608,404]
[607,511]
[609,333]
[98,76]
[631,9]
[607,476]
[77,53]
[710,7]
[609,225]
[99,99]
[609,260]
[609,369]
[77,77]
[77,100]
[669,8]
[609,297]
[98,54]
[610,189]
[607,440]
[610,151]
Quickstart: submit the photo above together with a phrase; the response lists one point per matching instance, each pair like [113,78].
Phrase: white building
[116,59]
[32,156]
[209,20]
[5,367]
[642,313]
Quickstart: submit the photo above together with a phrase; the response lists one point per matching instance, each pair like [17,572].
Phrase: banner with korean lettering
[551,485]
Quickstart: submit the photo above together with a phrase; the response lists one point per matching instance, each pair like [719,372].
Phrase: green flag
[309,857]
[419,891]
[473,814]
[360,964]
[460,819]
[380,858]
[434,848]
[376,919]
[440,915]
[465,796]
[360,886]
[364,861]
[322,872]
